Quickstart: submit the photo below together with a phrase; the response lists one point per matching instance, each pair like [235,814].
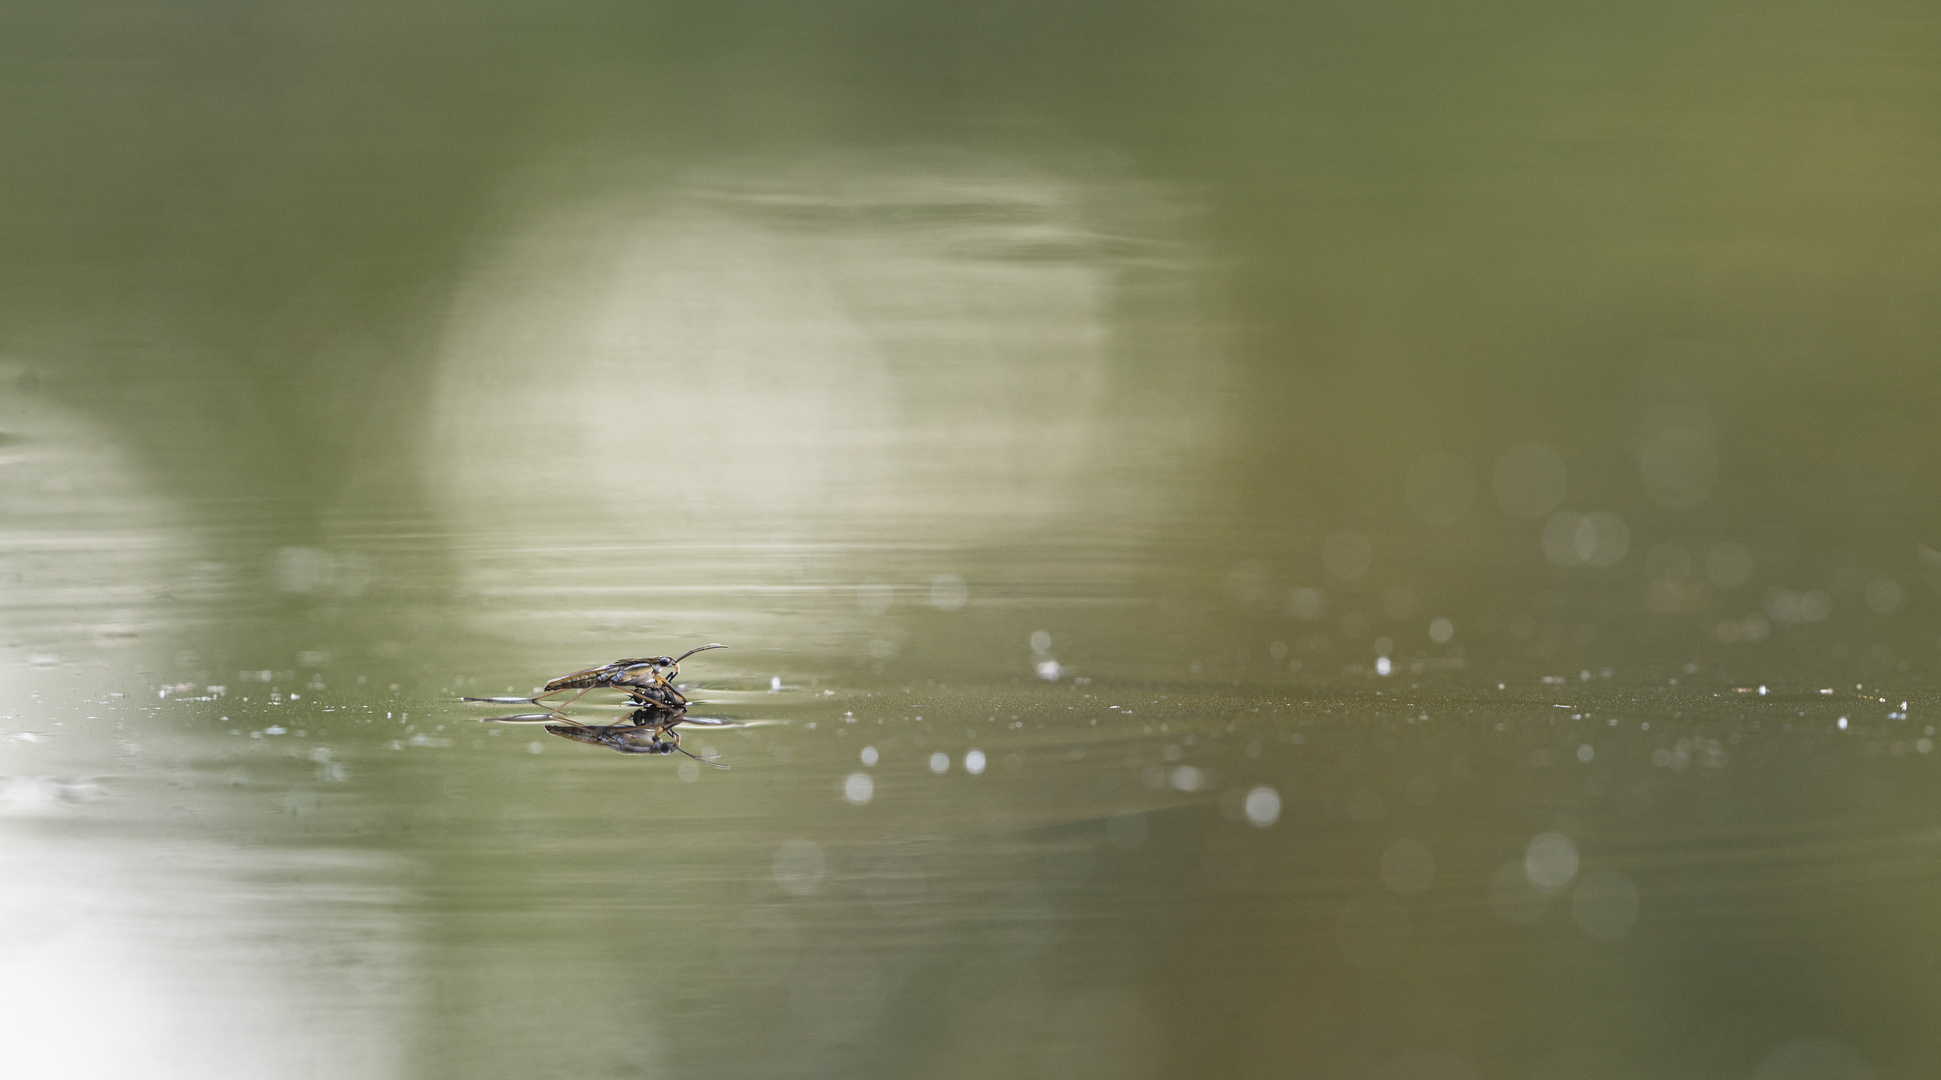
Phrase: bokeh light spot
[1550,862]
[1263,806]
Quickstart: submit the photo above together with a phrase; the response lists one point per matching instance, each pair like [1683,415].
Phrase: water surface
[1326,542]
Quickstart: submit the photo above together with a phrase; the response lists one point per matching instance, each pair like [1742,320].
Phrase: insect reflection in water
[643,734]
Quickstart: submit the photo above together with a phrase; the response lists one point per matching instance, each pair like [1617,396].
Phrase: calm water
[1380,542]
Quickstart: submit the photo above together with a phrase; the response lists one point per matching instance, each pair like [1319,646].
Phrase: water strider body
[648,682]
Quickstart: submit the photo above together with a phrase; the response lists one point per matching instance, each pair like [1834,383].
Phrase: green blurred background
[1360,388]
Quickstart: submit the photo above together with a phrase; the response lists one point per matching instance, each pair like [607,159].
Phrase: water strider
[648,684]
[647,681]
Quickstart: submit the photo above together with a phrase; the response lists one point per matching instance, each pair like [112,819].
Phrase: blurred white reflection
[133,944]
[852,349]
[858,789]
[200,965]
[87,548]
[41,796]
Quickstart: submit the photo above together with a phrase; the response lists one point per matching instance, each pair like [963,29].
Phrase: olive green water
[1381,541]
